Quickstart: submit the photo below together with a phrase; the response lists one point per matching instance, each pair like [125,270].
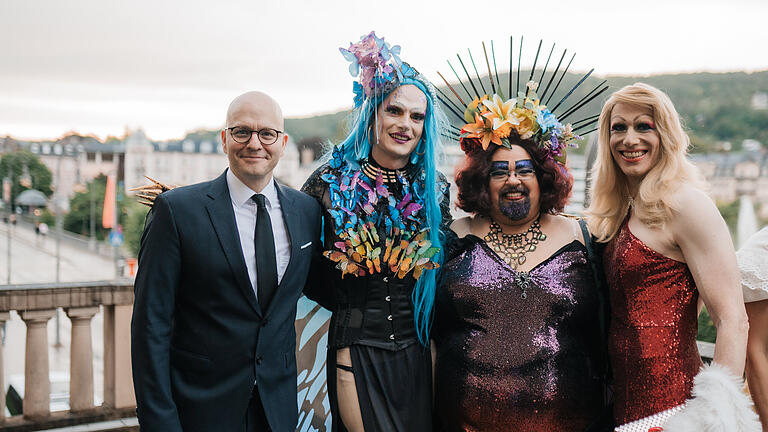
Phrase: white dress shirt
[245,216]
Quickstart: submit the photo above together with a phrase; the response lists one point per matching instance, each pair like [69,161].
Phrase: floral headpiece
[490,118]
[378,67]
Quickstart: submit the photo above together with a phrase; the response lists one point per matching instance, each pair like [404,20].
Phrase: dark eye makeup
[618,127]
[644,126]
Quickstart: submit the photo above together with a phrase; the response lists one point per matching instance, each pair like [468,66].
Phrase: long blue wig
[356,147]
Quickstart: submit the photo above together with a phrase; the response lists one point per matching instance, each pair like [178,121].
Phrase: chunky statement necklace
[513,247]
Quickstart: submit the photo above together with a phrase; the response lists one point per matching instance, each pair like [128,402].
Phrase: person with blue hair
[385,205]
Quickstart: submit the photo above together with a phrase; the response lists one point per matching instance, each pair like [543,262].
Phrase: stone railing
[36,304]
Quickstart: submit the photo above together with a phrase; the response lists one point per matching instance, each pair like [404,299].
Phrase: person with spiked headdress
[666,247]
[518,317]
[384,203]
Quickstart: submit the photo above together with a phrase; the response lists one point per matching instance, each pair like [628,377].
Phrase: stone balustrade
[36,304]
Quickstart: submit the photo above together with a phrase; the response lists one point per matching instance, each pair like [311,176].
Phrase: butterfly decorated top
[377,230]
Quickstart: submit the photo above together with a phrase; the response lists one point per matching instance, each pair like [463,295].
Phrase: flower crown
[378,67]
[492,119]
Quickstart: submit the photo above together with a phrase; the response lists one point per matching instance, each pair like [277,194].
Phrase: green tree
[730,213]
[707,330]
[134,216]
[12,165]
[78,220]
[130,214]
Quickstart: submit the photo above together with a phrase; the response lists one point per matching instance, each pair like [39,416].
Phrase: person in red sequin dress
[667,247]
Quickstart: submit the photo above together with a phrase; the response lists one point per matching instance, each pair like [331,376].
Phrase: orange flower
[479,129]
[503,130]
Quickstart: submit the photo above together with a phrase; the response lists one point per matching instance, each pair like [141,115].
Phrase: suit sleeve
[157,279]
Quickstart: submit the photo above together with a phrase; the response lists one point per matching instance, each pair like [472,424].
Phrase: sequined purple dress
[510,364]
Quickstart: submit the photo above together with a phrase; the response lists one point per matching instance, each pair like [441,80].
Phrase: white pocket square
[306,245]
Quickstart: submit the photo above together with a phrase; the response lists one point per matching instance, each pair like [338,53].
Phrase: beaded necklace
[513,247]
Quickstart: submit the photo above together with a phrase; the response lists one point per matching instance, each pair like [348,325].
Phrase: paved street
[33,260]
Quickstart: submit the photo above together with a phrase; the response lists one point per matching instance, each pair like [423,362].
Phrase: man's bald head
[261,105]
[253,161]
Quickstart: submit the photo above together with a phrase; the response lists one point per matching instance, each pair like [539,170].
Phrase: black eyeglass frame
[525,174]
[258,134]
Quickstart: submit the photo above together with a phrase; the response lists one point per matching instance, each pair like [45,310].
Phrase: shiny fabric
[652,338]
[511,364]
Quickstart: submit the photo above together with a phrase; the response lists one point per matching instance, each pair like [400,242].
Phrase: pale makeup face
[515,199]
[635,142]
[399,126]
[253,162]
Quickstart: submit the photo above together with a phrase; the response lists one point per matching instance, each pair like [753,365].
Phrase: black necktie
[266,262]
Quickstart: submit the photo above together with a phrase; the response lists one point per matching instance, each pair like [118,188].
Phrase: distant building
[190,161]
[76,160]
[731,175]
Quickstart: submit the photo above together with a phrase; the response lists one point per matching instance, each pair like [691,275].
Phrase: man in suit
[221,267]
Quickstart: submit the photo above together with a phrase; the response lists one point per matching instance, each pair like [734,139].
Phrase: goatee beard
[515,210]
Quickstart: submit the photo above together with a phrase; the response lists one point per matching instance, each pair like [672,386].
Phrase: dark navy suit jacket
[199,337]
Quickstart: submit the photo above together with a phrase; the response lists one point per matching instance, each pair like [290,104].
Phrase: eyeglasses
[523,173]
[242,134]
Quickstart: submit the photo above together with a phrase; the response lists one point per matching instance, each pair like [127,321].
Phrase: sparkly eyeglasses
[242,134]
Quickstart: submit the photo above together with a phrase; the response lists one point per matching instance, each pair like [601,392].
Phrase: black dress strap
[605,421]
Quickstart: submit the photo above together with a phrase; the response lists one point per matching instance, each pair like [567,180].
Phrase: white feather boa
[718,405]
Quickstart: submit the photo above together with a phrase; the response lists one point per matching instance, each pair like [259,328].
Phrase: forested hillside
[715,107]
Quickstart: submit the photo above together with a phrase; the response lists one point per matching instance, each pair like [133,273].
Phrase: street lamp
[7,199]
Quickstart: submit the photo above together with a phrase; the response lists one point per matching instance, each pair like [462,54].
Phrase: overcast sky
[101,66]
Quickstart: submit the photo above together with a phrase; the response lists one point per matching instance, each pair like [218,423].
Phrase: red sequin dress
[652,340]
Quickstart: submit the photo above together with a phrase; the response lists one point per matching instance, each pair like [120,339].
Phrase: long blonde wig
[654,203]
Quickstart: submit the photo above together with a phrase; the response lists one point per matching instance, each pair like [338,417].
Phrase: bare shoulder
[564,223]
[695,212]
[693,204]
[462,226]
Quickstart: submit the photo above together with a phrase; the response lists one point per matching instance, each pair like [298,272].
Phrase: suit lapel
[291,216]
[223,220]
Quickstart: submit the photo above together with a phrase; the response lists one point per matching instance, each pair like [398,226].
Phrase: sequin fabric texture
[652,340]
[506,363]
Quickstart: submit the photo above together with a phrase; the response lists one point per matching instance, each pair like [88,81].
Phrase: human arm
[757,357]
[155,290]
[703,238]
[318,286]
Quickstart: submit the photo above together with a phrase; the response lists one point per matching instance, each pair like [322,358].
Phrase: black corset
[373,310]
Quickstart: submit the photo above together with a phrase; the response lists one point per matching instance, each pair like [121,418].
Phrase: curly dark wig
[555,181]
